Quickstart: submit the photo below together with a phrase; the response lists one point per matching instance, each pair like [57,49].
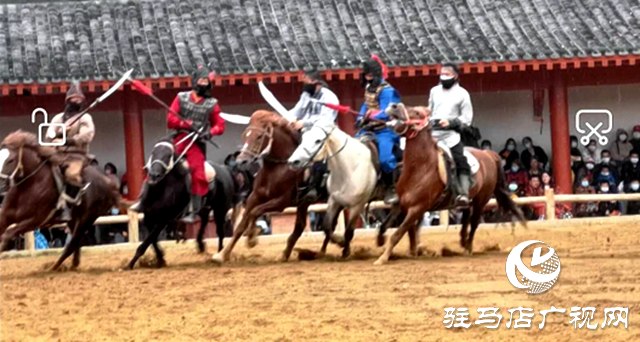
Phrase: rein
[173,161]
[20,168]
[254,150]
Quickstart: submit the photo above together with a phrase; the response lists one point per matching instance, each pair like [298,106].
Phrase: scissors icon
[602,139]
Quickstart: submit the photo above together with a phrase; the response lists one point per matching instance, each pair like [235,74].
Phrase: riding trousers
[195,157]
[457,152]
[73,164]
[387,139]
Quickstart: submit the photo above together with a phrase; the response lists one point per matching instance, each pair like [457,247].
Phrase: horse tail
[505,203]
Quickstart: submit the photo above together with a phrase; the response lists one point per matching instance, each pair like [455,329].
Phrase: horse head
[313,146]
[408,121]
[161,161]
[263,138]
[21,156]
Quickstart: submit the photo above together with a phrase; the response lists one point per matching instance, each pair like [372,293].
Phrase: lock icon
[46,125]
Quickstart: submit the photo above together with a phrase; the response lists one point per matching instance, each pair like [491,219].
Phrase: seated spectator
[536,210]
[583,209]
[592,152]
[607,208]
[94,163]
[631,168]
[633,207]
[509,153]
[531,150]
[518,176]
[563,210]
[606,176]
[514,190]
[486,145]
[586,171]
[605,160]
[635,138]
[621,147]
[112,173]
[535,169]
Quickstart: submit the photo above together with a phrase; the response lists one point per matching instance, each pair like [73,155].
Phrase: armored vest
[199,113]
[371,97]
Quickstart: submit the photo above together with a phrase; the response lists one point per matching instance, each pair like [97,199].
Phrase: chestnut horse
[275,187]
[31,201]
[420,187]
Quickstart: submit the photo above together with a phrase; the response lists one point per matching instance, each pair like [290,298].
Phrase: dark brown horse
[32,198]
[420,187]
[276,185]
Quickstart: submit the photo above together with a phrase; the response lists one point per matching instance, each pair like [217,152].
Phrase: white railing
[550,199]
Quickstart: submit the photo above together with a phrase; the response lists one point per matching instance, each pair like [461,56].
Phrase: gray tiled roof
[59,40]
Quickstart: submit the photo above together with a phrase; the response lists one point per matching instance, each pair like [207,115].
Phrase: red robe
[195,156]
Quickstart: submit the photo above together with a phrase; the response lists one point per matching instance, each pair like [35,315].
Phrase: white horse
[352,179]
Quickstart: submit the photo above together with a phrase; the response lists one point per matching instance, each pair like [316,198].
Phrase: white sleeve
[54,130]
[297,110]
[466,109]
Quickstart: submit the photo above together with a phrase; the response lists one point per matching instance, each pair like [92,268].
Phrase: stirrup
[462,201]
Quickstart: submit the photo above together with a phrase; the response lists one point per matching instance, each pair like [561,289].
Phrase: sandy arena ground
[253,298]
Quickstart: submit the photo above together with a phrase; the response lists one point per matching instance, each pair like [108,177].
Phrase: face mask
[604,189]
[622,137]
[585,184]
[309,88]
[513,186]
[635,186]
[447,81]
[606,160]
[634,160]
[592,148]
[515,168]
[511,147]
[201,90]
[115,211]
[233,163]
[527,145]
[606,174]
[72,107]
[574,144]
[589,166]
[636,135]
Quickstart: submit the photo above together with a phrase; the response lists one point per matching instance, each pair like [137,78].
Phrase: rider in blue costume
[377,96]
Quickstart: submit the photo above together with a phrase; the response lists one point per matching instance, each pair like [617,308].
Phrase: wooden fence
[550,199]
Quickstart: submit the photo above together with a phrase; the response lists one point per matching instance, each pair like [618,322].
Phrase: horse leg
[301,223]
[354,213]
[83,230]
[251,213]
[204,221]
[220,216]
[76,241]
[10,232]
[330,220]
[408,223]
[466,213]
[153,237]
[393,215]
[160,262]
[475,221]
[414,239]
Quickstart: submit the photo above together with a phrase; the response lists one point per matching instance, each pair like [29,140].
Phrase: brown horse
[420,187]
[31,201]
[275,188]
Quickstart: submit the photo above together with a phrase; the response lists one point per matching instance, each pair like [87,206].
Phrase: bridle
[18,172]
[412,126]
[173,161]
[253,150]
[313,155]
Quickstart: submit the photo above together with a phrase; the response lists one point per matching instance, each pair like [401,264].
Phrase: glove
[206,135]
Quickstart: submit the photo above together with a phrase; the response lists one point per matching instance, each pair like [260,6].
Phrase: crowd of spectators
[595,170]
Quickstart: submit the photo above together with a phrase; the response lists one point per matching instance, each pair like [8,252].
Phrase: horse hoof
[345,253]
[339,240]
[252,242]
[161,264]
[381,240]
[218,258]
[381,261]
[202,247]
[282,258]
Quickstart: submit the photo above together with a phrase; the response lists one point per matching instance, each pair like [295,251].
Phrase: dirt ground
[255,298]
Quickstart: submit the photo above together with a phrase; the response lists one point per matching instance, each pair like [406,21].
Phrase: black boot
[137,207]
[314,184]
[390,197]
[195,206]
[464,182]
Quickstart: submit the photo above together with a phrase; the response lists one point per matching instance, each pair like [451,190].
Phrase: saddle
[447,173]
[209,172]
[371,142]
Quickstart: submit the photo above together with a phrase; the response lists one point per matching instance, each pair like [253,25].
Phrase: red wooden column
[134,142]
[346,121]
[560,144]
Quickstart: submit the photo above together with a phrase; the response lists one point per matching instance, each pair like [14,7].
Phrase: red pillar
[346,121]
[560,144]
[134,142]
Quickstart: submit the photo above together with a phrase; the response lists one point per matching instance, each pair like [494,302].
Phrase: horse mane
[263,118]
[20,138]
